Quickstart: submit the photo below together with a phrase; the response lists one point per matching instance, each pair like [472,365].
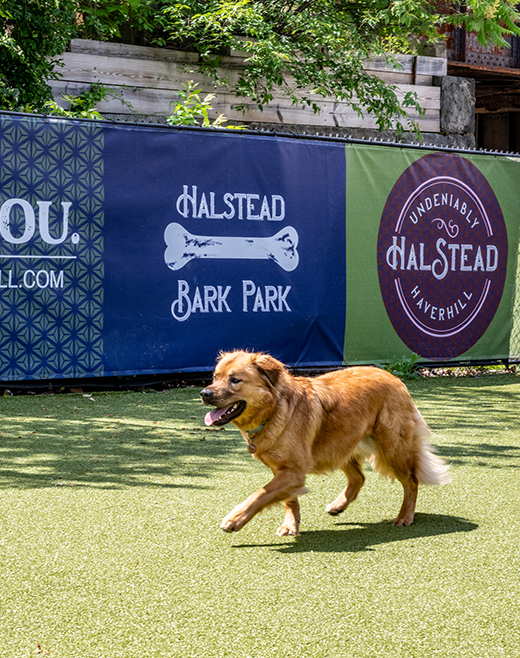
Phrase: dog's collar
[251,436]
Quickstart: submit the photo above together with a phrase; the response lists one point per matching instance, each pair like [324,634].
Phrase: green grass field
[110,544]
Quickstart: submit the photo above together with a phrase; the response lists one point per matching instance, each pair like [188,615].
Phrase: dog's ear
[269,368]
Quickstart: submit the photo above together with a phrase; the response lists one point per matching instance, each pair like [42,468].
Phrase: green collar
[251,435]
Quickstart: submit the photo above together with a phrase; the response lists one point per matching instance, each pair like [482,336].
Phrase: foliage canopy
[32,32]
[316,48]
[306,48]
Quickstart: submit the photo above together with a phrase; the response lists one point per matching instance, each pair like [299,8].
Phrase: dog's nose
[207,395]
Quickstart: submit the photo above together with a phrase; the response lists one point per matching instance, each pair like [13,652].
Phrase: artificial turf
[110,506]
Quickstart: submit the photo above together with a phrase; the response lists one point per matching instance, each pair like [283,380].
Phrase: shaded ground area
[107,439]
[110,506]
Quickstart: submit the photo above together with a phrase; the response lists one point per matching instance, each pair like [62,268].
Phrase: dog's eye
[234,380]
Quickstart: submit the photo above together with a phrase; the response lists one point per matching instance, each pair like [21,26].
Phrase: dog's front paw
[232,523]
[227,526]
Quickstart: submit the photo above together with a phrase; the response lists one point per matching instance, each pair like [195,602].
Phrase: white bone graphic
[182,246]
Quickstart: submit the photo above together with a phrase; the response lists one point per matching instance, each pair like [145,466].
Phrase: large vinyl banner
[147,250]
[141,249]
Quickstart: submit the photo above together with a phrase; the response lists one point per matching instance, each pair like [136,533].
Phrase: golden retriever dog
[301,425]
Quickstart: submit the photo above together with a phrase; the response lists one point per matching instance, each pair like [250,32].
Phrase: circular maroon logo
[441,255]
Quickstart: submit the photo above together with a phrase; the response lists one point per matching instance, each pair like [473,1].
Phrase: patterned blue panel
[51,275]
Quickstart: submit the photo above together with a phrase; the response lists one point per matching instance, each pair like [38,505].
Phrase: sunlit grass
[110,547]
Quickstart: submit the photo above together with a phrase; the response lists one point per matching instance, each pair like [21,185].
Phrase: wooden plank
[341,117]
[107,49]
[405,63]
[81,67]
[432,66]
[111,70]
[157,102]
[428,97]
[392,78]
[330,116]
[425,66]
[144,101]
[164,74]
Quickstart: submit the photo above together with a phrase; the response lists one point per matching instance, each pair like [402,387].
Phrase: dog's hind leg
[356,480]
[397,458]
[291,522]
[407,511]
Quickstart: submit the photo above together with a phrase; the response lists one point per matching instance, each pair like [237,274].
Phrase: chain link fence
[514,346]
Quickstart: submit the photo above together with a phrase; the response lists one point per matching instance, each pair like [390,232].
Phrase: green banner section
[432,249]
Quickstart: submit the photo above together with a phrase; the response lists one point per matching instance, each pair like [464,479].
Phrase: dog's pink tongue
[214,415]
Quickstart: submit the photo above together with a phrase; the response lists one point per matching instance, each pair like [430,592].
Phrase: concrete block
[457,105]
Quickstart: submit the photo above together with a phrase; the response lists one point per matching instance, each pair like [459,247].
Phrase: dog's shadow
[358,537]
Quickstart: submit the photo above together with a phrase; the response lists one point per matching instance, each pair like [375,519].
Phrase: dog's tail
[430,468]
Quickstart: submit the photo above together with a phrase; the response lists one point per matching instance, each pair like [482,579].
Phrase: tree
[33,31]
[314,48]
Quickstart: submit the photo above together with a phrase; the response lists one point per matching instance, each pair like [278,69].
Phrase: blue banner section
[138,249]
[51,248]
